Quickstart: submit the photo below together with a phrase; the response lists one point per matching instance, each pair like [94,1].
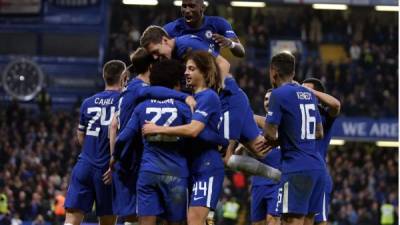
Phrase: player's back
[190,42]
[297,107]
[96,115]
[164,154]
[211,24]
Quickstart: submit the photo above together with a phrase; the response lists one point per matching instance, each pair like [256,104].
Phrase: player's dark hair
[269,90]
[207,65]
[167,73]
[141,61]
[152,34]
[284,64]
[112,71]
[318,85]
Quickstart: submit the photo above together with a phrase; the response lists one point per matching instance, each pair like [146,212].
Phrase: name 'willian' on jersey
[136,91]
[294,109]
[161,154]
[95,116]
[211,25]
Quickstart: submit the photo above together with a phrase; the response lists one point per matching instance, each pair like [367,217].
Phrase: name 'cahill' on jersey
[294,109]
[95,117]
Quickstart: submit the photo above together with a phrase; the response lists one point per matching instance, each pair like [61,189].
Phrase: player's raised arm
[227,38]
[233,44]
[224,66]
[316,87]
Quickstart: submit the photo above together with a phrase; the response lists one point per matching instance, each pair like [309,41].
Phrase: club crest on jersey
[208,34]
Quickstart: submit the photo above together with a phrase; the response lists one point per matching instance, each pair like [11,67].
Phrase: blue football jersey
[327,123]
[161,154]
[205,156]
[294,109]
[95,116]
[190,42]
[232,94]
[273,159]
[238,117]
[211,25]
[136,91]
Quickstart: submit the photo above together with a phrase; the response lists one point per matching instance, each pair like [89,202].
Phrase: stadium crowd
[35,163]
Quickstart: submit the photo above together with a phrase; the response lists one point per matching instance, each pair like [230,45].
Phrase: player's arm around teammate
[207,167]
[333,104]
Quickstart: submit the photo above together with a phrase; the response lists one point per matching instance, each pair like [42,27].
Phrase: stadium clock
[22,79]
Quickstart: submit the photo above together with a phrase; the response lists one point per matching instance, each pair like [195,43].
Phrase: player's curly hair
[167,73]
[207,65]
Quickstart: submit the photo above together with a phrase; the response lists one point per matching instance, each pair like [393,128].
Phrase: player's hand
[222,41]
[262,148]
[150,128]
[191,102]
[107,176]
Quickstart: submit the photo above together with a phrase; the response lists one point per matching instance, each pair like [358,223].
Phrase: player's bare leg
[74,217]
[322,223]
[131,220]
[309,219]
[147,220]
[273,220]
[197,215]
[292,219]
[108,220]
[262,222]
[174,223]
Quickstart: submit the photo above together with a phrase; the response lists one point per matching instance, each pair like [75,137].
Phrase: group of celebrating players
[152,153]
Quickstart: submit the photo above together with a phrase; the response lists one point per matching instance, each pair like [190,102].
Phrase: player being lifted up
[207,168]
[293,120]
[238,121]
[86,186]
[160,45]
[329,108]
[214,30]
[125,172]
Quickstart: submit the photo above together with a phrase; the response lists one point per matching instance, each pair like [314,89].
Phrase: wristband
[233,45]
